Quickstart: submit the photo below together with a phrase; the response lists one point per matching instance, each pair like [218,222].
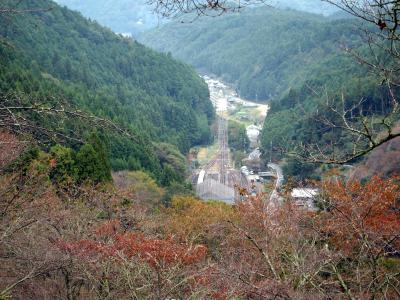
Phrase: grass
[205,154]
[247,115]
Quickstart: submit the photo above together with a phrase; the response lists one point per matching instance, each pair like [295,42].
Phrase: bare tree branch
[20,117]
[173,8]
[15,9]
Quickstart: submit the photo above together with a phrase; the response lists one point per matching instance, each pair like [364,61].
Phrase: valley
[217,177]
[217,150]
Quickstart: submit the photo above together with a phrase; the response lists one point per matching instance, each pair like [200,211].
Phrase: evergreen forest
[57,57]
[295,61]
[244,150]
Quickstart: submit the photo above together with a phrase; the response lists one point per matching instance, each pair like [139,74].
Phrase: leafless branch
[17,116]
[174,8]
[16,9]
[367,129]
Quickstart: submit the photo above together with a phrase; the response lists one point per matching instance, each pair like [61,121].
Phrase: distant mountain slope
[122,16]
[311,6]
[136,16]
[263,51]
[290,58]
[60,54]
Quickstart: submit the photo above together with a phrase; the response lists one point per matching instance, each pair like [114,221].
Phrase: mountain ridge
[60,53]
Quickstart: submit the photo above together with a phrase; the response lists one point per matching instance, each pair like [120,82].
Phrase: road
[279,174]
[275,197]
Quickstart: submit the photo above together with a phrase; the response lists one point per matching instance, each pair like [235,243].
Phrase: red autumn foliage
[10,148]
[158,253]
[362,214]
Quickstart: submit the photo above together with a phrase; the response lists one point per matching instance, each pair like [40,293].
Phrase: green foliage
[104,167]
[57,56]
[89,166]
[174,164]
[292,59]
[238,156]
[169,175]
[144,188]
[176,189]
[64,160]
[238,141]
[90,163]
[264,51]
[134,17]
[237,136]
[23,162]
[298,170]
[125,16]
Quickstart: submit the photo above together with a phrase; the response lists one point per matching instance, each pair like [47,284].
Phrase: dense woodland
[57,57]
[295,61]
[94,129]
[238,141]
[262,61]
[135,17]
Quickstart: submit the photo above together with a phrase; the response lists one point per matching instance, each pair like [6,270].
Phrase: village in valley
[216,175]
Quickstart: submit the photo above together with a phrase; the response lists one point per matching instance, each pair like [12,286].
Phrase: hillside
[113,187]
[57,55]
[134,17]
[269,50]
[290,58]
[311,6]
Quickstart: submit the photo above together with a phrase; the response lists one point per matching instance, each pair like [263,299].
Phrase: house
[305,197]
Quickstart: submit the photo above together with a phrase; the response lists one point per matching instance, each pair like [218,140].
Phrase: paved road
[279,174]
[278,183]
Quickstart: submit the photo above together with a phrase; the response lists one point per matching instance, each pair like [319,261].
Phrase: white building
[305,197]
[253,132]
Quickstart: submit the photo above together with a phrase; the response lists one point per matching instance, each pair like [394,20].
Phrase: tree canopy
[88,69]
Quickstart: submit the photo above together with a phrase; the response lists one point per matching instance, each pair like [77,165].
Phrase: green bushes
[89,163]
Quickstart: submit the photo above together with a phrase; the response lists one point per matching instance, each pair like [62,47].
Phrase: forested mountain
[76,99]
[57,56]
[263,51]
[134,17]
[295,60]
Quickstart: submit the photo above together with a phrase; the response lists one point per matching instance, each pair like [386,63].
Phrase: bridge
[267,174]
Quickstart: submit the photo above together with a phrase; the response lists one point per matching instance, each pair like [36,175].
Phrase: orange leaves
[109,228]
[362,213]
[158,253]
[53,163]
[190,219]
